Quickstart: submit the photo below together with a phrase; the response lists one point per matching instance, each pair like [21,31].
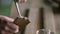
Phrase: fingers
[6,32]
[6,18]
[10,29]
[13,28]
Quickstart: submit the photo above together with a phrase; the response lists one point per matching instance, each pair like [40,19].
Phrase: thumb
[7,18]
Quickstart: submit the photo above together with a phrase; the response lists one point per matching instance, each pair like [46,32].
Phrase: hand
[10,27]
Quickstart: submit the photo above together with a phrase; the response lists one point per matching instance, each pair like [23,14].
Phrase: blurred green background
[5,6]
